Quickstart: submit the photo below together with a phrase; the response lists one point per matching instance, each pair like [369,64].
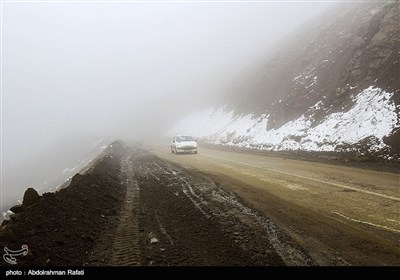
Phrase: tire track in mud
[289,252]
[196,222]
[125,248]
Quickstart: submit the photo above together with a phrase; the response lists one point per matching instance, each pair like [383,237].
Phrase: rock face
[350,48]
[30,197]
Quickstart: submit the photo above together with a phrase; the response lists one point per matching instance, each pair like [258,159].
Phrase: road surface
[339,215]
[133,207]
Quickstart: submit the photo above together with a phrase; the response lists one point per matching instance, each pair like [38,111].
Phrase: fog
[126,70]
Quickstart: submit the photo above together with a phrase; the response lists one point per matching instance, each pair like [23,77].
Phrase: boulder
[4,224]
[30,197]
[13,217]
[17,208]
[76,179]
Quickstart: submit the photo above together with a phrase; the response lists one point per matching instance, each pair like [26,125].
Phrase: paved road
[341,215]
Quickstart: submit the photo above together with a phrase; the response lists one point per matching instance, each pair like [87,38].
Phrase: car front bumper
[186,150]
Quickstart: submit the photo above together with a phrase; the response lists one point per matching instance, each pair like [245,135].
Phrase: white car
[184,144]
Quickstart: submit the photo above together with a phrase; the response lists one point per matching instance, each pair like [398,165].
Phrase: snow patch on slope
[373,114]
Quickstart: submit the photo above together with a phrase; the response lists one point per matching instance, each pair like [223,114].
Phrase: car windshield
[184,138]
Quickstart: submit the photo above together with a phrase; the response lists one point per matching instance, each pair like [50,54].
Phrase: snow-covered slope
[330,59]
[331,86]
[373,115]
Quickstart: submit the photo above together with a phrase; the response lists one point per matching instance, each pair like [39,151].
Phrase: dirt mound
[60,228]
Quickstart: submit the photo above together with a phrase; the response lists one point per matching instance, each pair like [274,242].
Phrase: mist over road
[335,212]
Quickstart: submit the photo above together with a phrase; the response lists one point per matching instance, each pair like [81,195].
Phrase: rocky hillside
[334,85]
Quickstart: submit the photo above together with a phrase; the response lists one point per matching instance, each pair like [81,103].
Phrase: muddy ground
[196,222]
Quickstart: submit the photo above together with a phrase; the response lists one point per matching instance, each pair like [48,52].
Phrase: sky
[124,69]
